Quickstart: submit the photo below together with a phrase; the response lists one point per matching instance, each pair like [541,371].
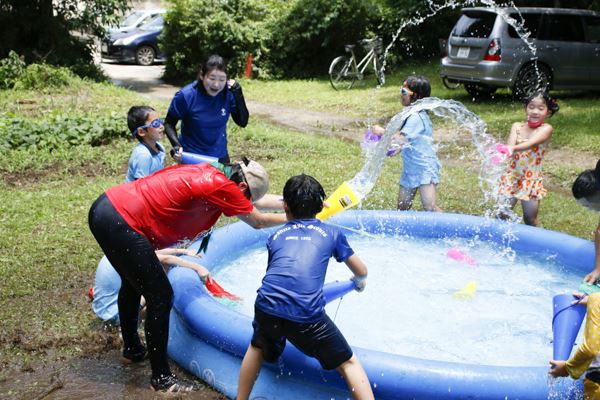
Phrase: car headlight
[125,41]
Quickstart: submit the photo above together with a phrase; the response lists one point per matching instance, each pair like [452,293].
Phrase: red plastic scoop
[216,290]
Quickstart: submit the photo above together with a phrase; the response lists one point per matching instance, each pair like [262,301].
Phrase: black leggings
[133,257]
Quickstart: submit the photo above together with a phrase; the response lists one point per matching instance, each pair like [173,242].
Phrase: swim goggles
[157,123]
[406,91]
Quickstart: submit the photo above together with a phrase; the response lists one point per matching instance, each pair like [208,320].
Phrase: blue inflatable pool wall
[209,339]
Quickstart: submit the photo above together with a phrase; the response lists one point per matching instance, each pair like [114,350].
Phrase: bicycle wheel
[340,73]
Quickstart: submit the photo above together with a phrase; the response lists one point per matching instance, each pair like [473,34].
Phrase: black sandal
[135,355]
[171,384]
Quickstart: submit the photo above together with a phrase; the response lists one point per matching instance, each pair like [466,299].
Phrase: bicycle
[344,71]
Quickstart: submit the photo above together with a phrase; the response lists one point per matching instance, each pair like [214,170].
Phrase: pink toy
[457,254]
[497,159]
[504,153]
[502,148]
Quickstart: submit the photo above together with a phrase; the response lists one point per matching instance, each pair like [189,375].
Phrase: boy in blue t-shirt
[148,156]
[290,303]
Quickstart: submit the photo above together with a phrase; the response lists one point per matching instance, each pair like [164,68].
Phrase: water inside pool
[409,307]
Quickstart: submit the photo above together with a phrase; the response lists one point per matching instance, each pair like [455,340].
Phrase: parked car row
[136,39]
[485,52]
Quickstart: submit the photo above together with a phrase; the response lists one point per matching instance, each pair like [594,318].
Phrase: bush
[60,131]
[12,68]
[14,74]
[44,76]
[195,29]
[305,40]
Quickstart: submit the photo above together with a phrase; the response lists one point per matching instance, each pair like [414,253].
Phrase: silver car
[486,52]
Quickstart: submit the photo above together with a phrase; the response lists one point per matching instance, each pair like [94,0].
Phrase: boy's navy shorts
[321,340]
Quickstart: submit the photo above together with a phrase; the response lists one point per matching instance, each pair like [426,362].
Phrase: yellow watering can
[343,198]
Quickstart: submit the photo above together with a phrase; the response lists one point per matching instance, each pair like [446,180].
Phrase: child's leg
[405,198]
[428,197]
[356,379]
[249,372]
[530,211]
[507,203]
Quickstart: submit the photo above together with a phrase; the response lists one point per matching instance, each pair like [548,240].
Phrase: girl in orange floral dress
[526,146]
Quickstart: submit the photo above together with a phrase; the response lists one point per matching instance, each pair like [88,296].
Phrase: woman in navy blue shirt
[203,107]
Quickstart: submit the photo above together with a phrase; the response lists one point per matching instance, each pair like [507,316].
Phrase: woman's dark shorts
[321,339]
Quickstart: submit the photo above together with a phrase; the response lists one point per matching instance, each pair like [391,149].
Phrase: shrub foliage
[59,131]
[195,29]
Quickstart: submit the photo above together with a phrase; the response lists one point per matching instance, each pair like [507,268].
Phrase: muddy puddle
[102,376]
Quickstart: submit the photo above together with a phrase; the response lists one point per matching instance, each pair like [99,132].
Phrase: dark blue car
[139,45]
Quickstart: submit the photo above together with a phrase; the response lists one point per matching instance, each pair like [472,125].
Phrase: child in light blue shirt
[148,156]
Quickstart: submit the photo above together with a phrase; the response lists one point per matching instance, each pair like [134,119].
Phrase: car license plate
[463,52]
[104,47]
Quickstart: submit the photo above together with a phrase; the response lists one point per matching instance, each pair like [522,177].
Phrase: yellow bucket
[343,198]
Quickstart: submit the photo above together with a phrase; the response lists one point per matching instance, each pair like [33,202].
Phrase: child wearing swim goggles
[148,156]
[421,166]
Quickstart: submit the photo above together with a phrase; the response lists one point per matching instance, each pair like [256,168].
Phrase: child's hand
[232,84]
[378,130]
[592,277]
[177,154]
[360,282]
[583,298]
[558,368]
[203,273]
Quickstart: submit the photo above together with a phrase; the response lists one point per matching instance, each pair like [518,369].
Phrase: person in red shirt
[179,203]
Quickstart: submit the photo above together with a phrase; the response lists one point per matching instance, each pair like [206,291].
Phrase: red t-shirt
[178,203]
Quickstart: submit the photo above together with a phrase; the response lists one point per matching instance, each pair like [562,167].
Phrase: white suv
[484,52]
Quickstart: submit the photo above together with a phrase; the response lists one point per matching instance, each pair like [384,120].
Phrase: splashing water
[484,143]
[490,171]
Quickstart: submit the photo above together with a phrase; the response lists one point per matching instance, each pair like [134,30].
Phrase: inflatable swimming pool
[209,339]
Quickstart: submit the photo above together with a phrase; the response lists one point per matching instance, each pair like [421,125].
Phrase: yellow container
[466,293]
[343,198]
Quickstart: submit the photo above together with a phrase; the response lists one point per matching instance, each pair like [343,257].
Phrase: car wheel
[144,55]
[478,90]
[531,78]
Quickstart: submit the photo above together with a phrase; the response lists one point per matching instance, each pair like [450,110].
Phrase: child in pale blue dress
[421,167]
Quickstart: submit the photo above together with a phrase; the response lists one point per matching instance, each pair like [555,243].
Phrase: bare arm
[356,265]
[512,137]
[270,202]
[170,260]
[359,269]
[258,220]
[177,252]
[542,135]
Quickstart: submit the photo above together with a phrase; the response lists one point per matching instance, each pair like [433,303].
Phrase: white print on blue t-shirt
[299,226]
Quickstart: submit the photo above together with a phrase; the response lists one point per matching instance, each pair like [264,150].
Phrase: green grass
[48,256]
[575,126]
